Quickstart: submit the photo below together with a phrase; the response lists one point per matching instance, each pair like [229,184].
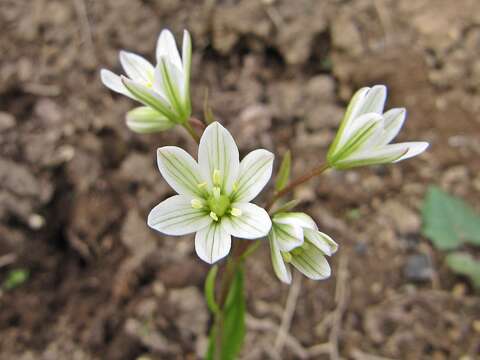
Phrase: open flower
[366,131]
[214,194]
[294,239]
[165,88]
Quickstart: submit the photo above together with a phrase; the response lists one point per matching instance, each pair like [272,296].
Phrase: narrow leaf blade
[284,172]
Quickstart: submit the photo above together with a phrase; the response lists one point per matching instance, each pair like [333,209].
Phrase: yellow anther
[217,177]
[236,212]
[213,216]
[287,257]
[201,185]
[196,204]
[149,84]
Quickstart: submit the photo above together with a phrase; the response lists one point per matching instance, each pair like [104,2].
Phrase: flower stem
[191,131]
[294,183]
[239,254]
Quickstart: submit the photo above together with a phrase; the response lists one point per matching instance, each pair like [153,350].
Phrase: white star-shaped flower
[366,131]
[214,194]
[294,239]
[164,89]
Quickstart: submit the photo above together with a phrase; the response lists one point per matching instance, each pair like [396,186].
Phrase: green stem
[240,252]
[191,131]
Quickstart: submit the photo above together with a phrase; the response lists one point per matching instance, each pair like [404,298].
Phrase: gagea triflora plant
[215,194]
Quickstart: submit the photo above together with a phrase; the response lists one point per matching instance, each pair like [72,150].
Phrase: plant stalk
[294,183]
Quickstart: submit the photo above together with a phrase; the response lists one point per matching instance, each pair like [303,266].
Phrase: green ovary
[219,205]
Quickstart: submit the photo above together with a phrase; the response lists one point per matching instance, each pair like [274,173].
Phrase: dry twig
[288,312]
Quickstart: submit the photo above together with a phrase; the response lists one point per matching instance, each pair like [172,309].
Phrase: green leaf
[284,172]
[15,278]
[234,317]
[448,221]
[210,290]
[464,264]
[207,110]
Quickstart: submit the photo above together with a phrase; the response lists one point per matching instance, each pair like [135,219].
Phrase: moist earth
[76,184]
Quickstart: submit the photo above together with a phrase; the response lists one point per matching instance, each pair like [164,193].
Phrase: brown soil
[77,184]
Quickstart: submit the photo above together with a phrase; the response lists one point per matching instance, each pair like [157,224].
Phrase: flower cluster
[295,239]
[214,194]
[164,89]
[365,133]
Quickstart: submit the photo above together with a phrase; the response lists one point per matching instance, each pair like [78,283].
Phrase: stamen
[217,177]
[196,203]
[216,192]
[236,212]
[287,257]
[213,216]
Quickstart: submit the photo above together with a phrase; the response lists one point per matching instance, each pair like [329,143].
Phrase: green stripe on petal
[358,138]
[322,241]
[350,114]
[146,120]
[254,173]
[212,243]
[150,98]
[383,155]
[312,263]
[287,237]
[180,170]
[281,269]
[218,152]
[176,216]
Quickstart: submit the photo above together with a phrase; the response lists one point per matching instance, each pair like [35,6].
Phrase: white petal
[166,46]
[282,271]
[212,243]
[176,216]
[146,120]
[253,223]
[393,122]
[114,82]
[312,263]
[136,67]
[180,170]
[149,97]
[187,63]
[359,125]
[295,218]
[414,148]
[218,151]
[168,80]
[352,110]
[322,241]
[374,100]
[255,171]
[382,155]
[287,237]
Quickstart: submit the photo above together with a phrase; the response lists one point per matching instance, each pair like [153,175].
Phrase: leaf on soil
[448,221]
[15,278]
[464,264]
